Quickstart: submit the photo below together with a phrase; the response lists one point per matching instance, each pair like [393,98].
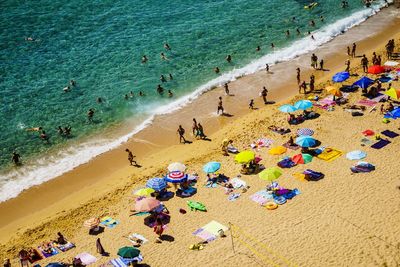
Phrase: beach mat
[293,147]
[54,251]
[366,142]
[213,227]
[329,154]
[380,144]
[65,247]
[134,236]
[204,235]
[390,134]
[261,197]
[366,102]
[109,222]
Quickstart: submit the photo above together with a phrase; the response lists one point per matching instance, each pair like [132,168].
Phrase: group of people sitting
[307,115]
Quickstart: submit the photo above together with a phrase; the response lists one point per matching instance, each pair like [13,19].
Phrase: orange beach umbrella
[333,90]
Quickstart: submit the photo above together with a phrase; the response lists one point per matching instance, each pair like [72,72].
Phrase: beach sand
[341,220]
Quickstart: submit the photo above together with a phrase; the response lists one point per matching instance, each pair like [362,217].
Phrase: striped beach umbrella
[176,166]
[305,141]
[303,104]
[305,131]
[91,223]
[157,184]
[176,177]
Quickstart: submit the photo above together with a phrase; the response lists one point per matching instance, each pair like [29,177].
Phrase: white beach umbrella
[91,223]
[176,167]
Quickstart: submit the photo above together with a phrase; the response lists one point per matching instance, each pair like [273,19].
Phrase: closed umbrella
[333,91]
[302,158]
[146,204]
[305,141]
[340,77]
[211,167]
[176,177]
[128,252]
[303,104]
[305,131]
[176,166]
[356,155]
[270,174]
[393,93]
[158,184]
[91,223]
[144,192]
[287,108]
[376,69]
[278,150]
[245,157]
[364,82]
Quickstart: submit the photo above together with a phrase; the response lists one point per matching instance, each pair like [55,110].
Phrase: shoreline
[54,194]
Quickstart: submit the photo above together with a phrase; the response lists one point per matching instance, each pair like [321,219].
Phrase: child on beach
[251,104]
[158,229]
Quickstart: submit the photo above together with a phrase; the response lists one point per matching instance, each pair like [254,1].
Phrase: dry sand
[341,220]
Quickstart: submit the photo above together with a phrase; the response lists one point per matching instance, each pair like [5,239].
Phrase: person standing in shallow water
[15,158]
[90,114]
[229,58]
[130,157]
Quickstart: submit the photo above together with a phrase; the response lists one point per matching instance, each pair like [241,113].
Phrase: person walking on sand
[251,104]
[303,86]
[130,157]
[181,133]
[298,75]
[7,263]
[321,64]
[264,94]
[347,63]
[348,51]
[99,248]
[158,229]
[267,68]
[200,131]
[314,61]
[226,87]
[353,50]
[364,63]
[220,106]
[15,158]
[312,83]
[195,127]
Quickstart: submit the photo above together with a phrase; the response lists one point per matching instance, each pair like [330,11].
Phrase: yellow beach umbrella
[278,150]
[333,90]
[144,192]
[270,174]
[245,157]
[393,93]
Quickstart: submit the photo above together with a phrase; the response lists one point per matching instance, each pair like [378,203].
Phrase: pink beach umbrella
[146,204]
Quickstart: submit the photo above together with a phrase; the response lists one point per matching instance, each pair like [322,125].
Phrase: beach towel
[109,222]
[313,175]
[390,134]
[134,236]
[141,213]
[366,102]
[238,183]
[379,98]
[299,176]
[261,197]
[366,142]
[363,167]
[233,196]
[264,142]
[214,227]
[204,235]
[282,132]
[286,163]
[329,154]
[54,251]
[292,147]
[86,258]
[380,144]
[65,247]
[117,263]
[330,97]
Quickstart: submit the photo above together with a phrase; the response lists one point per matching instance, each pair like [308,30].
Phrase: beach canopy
[144,192]
[278,150]
[245,157]
[157,184]
[211,167]
[287,108]
[393,93]
[91,223]
[364,82]
[340,77]
[146,204]
[391,63]
[270,174]
[303,104]
[176,177]
[356,155]
[302,158]
[305,131]
[376,69]
[128,252]
[333,90]
[305,141]
[176,166]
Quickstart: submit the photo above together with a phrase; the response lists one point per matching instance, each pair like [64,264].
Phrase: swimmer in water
[272,45]
[170,94]
[34,129]
[131,94]
[126,97]
[66,89]
[321,18]
[60,130]
[72,83]
[312,23]
[44,136]
[30,39]
[162,79]
[287,33]
[228,58]
[216,70]
[163,57]
[144,59]
[160,90]
[170,76]
[141,93]
[15,158]
[167,47]
[294,19]
[99,100]
[298,31]
[90,114]
[258,48]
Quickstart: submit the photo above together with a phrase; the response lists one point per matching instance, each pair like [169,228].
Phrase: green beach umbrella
[270,174]
[128,252]
[245,157]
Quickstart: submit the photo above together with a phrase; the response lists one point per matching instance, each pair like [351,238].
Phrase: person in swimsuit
[226,87]
[220,106]
[16,158]
[181,133]
[130,157]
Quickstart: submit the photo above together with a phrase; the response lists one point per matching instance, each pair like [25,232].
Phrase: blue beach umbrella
[211,167]
[303,104]
[305,141]
[364,82]
[287,108]
[340,77]
[356,155]
[157,184]
[176,177]
[393,114]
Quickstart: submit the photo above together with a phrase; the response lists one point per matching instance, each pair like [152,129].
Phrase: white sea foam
[46,168]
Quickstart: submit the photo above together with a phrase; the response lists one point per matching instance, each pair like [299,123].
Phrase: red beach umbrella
[376,69]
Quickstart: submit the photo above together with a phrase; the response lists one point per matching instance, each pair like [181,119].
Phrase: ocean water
[99,44]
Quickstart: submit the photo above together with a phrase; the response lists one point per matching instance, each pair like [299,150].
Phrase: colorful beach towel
[204,235]
[214,227]
[390,134]
[366,102]
[261,197]
[380,144]
[238,183]
[65,247]
[292,147]
[53,252]
[330,154]
[379,98]
[109,222]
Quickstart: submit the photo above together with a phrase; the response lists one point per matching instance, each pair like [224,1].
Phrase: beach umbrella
[128,252]
[302,158]
[245,157]
[305,131]
[270,174]
[356,154]
[157,184]
[305,141]
[376,69]
[146,204]
[340,77]
[287,108]
[278,150]
[333,90]
[144,192]
[364,82]
[91,223]
[393,93]
[176,177]
[211,167]
[303,104]
[86,258]
[391,63]
[55,264]
[176,166]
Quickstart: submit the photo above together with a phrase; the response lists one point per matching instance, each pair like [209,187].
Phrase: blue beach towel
[381,143]
[390,134]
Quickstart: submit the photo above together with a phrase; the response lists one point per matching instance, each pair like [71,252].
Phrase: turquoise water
[99,44]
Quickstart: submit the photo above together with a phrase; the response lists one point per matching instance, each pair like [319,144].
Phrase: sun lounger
[390,134]
[330,154]
[380,144]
